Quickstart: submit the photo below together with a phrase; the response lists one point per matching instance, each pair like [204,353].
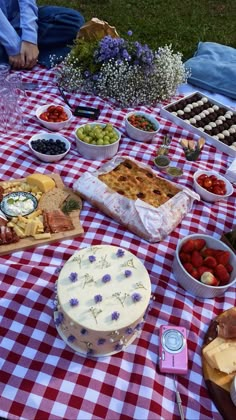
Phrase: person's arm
[8,36]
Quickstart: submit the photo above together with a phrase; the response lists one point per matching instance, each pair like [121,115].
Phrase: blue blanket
[213,67]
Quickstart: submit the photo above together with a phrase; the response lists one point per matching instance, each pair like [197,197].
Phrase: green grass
[182,23]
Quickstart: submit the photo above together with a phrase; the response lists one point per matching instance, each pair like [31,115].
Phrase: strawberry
[188,267]
[195,274]
[209,278]
[188,246]
[222,274]
[199,244]
[196,259]
[210,261]
[184,257]
[229,268]
[203,269]
[223,257]
[208,252]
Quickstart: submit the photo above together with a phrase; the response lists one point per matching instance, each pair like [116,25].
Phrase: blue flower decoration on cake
[120,252]
[106,278]
[115,315]
[73,277]
[97,298]
[74,302]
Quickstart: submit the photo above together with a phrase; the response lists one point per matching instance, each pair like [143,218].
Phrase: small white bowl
[207,195]
[141,135]
[97,152]
[53,126]
[47,136]
[18,197]
[193,286]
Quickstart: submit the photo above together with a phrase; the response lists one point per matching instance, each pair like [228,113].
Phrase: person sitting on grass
[31,34]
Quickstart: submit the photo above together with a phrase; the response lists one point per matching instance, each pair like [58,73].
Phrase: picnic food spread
[104,259]
[102,295]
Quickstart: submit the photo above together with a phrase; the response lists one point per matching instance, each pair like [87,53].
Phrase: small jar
[162,162]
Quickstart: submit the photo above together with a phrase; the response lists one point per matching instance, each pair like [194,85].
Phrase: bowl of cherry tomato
[141,126]
[212,186]
[54,117]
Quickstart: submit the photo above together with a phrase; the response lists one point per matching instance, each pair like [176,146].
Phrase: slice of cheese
[221,354]
[43,182]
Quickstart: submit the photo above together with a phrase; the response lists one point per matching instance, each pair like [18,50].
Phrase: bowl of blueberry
[49,147]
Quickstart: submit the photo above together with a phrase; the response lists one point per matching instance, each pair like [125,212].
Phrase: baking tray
[189,127]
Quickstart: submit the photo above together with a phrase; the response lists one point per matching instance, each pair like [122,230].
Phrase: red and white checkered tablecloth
[41,377]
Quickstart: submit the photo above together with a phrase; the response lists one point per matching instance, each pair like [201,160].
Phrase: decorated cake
[102,295]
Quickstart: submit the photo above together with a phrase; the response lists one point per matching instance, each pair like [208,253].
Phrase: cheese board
[217,382]
[30,241]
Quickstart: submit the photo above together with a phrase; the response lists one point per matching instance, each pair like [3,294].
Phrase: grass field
[182,23]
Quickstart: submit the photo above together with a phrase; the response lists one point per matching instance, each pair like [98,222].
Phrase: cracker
[53,199]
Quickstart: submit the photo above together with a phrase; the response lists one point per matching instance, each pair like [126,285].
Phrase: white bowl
[18,208]
[193,286]
[207,195]
[53,126]
[47,136]
[97,152]
[141,135]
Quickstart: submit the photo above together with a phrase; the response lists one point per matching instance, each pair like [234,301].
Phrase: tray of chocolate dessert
[205,117]
[37,210]
[219,362]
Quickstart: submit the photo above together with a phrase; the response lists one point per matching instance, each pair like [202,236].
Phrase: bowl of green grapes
[97,141]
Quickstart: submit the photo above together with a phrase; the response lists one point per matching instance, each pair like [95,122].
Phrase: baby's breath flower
[124,71]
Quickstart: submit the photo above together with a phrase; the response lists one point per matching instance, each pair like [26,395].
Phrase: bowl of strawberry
[211,186]
[204,266]
[53,117]
[141,126]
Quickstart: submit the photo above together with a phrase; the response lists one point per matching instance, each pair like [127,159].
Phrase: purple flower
[115,315]
[118,346]
[71,338]
[129,330]
[101,341]
[92,258]
[74,302]
[120,252]
[136,297]
[106,278]
[73,277]
[97,298]
[139,326]
[130,33]
[83,331]
[58,269]
[128,273]
[59,319]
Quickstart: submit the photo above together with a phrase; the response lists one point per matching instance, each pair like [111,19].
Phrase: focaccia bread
[134,182]
[132,194]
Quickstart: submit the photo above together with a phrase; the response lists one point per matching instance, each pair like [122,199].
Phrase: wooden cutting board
[218,383]
[30,242]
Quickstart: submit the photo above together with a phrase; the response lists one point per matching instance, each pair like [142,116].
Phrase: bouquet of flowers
[122,70]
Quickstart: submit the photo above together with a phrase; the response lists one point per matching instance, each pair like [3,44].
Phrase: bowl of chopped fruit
[141,126]
[212,186]
[49,147]
[204,265]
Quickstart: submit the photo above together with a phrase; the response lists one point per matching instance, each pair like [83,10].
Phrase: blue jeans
[57,29]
